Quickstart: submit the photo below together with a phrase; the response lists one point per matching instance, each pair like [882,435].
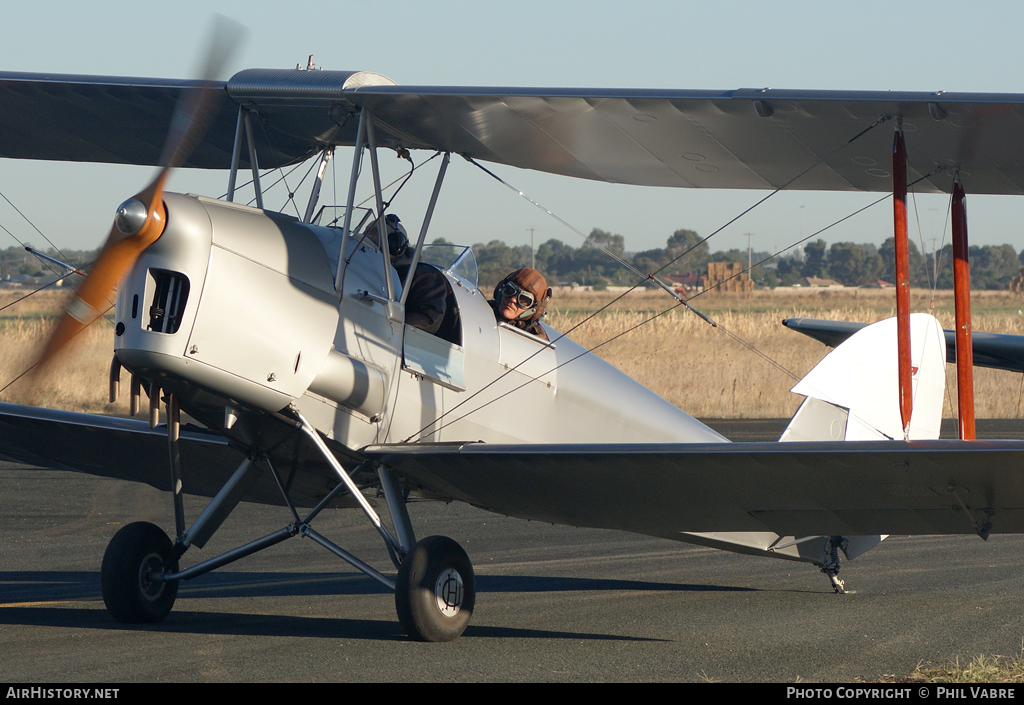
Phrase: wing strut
[899,207]
[253,160]
[962,303]
[418,251]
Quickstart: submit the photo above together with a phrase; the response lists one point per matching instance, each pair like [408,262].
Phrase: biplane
[284,337]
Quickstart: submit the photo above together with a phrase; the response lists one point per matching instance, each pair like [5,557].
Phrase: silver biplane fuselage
[234,309]
[289,339]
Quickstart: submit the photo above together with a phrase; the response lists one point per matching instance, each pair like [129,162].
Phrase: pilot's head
[522,295]
[398,240]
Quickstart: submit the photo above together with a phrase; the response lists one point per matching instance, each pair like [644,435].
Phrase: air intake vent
[170,294]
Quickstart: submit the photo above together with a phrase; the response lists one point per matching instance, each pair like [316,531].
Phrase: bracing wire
[816,233]
[766,358]
[652,276]
[32,293]
[26,219]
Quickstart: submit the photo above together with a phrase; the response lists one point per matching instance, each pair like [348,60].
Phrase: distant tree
[496,259]
[920,274]
[686,252]
[613,243]
[814,260]
[992,266]
[853,265]
[788,271]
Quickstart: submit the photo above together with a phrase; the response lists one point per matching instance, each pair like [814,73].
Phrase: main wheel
[129,593]
[435,591]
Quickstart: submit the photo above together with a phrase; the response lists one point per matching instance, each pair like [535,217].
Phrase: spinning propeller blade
[140,220]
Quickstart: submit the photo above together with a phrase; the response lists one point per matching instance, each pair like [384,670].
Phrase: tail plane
[853,395]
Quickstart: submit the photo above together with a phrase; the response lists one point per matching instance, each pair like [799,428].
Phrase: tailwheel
[130,593]
[435,590]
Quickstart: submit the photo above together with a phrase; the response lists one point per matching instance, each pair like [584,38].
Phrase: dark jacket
[425,305]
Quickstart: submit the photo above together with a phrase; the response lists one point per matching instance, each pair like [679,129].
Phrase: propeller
[140,220]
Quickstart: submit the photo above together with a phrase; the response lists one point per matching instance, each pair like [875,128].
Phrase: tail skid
[852,395]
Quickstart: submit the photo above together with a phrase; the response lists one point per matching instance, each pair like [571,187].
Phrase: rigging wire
[531,379]
[25,217]
[938,257]
[280,178]
[291,192]
[102,316]
[32,293]
[954,409]
[814,234]
[387,204]
[651,277]
[735,337]
[48,265]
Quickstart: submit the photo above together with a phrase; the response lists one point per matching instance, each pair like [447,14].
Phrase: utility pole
[750,253]
[935,266]
[533,256]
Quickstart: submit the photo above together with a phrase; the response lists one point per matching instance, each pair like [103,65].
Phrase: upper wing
[712,139]
[118,120]
[1000,351]
[718,139]
[795,489]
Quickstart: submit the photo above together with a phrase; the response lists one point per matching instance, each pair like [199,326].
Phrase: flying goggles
[521,296]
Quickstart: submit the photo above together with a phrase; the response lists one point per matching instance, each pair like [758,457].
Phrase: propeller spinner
[140,220]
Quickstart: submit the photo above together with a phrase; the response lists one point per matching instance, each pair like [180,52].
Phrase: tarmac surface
[553,604]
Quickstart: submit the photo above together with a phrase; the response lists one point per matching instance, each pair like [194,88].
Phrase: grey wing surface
[128,449]
[798,489]
[746,138]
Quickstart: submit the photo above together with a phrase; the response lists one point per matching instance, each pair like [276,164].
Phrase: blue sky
[722,45]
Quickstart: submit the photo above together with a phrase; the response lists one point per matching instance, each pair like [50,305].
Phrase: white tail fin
[853,394]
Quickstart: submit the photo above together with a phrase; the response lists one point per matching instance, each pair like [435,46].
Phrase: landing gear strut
[435,589]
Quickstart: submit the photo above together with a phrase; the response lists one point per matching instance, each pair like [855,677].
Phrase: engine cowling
[233,299]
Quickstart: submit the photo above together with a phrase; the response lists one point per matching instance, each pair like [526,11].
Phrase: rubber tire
[415,600]
[129,596]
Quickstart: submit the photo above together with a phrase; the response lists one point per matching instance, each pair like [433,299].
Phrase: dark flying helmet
[530,289]
[398,240]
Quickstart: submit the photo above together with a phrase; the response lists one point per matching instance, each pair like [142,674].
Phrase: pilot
[520,300]
[428,291]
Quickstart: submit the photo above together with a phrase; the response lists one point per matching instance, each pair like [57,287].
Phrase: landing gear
[435,590]
[130,593]
[831,565]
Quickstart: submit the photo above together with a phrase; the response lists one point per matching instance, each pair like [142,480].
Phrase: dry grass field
[712,373]
[77,380]
[705,371]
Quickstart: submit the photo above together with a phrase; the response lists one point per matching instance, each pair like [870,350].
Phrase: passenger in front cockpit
[520,300]
[427,300]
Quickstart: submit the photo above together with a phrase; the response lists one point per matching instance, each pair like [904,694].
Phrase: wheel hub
[150,589]
[449,591]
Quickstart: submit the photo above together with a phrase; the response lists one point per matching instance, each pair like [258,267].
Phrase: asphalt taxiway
[553,604]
